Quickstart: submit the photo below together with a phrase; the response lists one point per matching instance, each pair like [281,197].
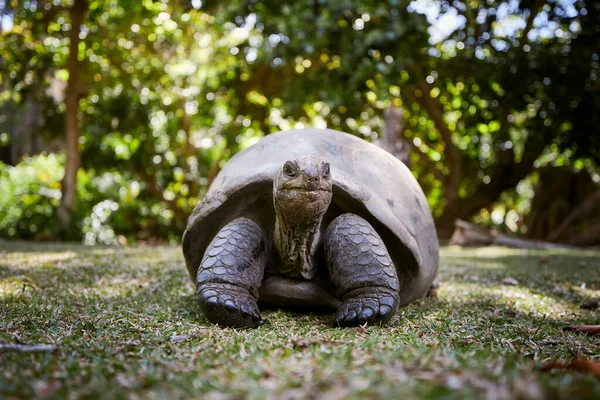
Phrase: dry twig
[27,348]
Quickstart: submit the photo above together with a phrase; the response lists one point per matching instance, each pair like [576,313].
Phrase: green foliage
[481,102]
[30,196]
[169,92]
[111,207]
[144,71]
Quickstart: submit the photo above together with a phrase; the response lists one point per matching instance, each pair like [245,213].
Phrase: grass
[113,312]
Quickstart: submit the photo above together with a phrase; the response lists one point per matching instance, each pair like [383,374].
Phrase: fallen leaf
[125,381]
[268,372]
[579,365]
[508,281]
[182,338]
[589,304]
[589,329]
[302,343]
[48,389]
[27,348]
[543,260]
[130,343]
[360,329]
[298,342]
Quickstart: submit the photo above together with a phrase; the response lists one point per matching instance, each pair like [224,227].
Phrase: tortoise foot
[369,309]
[232,306]
[361,271]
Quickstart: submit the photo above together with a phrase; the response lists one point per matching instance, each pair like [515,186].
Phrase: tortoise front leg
[230,275]
[361,271]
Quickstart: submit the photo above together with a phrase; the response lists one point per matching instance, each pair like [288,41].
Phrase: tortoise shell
[367,181]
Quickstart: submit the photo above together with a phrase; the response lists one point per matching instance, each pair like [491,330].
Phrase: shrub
[29,197]
[110,204]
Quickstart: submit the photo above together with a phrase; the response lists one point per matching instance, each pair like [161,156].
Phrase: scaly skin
[230,275]
[361,272]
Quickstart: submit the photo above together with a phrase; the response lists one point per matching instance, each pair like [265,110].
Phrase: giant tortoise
[311,219]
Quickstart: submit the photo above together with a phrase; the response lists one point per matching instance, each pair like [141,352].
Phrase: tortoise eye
[289,169]
[326,170]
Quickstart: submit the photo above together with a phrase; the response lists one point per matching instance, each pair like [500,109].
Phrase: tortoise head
[302,189]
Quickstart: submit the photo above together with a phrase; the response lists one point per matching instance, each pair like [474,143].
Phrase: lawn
[125,324]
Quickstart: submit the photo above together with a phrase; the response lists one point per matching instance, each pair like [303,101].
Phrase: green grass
[112,312]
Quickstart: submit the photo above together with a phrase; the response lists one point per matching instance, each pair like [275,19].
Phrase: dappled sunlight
[94,286]
[460,264]
[520,299]
[116,287]
[547,284]
[119,118]
[564,271]
[15,287]
[490,252]
[123,305]
[35,259]
[163,253]
[57,253]
[470,305]
[92,273]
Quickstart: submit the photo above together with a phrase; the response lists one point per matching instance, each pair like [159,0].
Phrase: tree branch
[451,152]
[392,135]
[581,211]
[27,348]
[508,174]
[532,14]
[214,170]
[158,191]
[427,162]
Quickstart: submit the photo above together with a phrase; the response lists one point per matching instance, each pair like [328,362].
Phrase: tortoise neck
[296,244]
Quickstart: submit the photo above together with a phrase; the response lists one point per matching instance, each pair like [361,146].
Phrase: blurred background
[115,116]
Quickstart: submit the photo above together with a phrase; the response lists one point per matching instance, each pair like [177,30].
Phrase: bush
[29,197]
[109,204]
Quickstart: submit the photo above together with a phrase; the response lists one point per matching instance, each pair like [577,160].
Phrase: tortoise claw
[223,307]
[366,309]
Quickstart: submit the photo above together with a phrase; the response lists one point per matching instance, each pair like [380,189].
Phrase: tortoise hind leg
[230,275]
[361,271]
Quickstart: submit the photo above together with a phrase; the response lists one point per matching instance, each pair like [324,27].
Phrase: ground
[125,324]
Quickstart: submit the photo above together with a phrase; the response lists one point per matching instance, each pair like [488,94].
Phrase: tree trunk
[29,123]
[468,234]
[457,210]
[582,216]
[506,175]
[150,180]
[393,138]
[69,183]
